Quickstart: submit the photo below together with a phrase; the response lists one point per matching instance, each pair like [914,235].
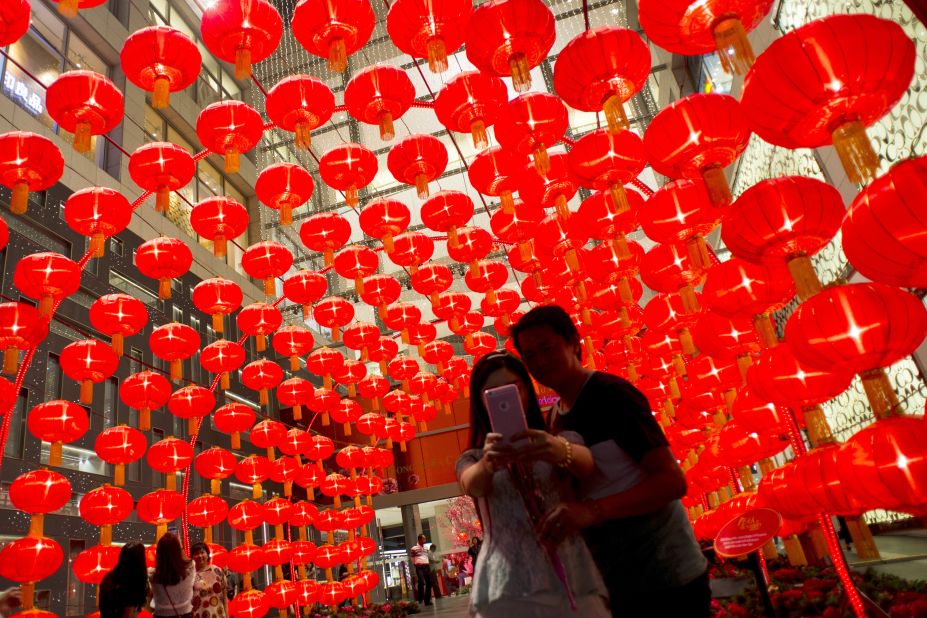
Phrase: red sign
[747,532]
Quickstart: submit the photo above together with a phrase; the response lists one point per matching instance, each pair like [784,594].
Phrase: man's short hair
[552,316]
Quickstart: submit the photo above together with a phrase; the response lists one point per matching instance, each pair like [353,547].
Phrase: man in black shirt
[630,510]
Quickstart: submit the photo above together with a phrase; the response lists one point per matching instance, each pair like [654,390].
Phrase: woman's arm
[476,478]
[573,457]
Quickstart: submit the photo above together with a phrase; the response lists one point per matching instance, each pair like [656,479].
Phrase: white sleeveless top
[181,594]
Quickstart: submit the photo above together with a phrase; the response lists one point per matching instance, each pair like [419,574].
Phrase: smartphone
[506,412]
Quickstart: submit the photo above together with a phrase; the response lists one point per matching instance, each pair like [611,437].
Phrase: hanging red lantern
[665,313]
[283,187]
[163,259]
[219,219]
[697,137]
[411,250]
[335,313]
[193,403]
[325,232]
[267,435]
[777,375]
[446,211]
[21,328]
[373,387]
[554,238]
[105,507]
[215,464]
[304,288]
[417,160]
[119,316]
[422,334]
[160,60]
[161,167]
[604,161]
[348,168]
[402,368]
[47,277]
[384,219]
[293,342]
[159,508]
[355,262]
[383,351]
[259,320]
[28,163]
[494,172]
[57,422]
[426,30]
[517,226]
[380,291]
[295,393]
[881,227]
[438,353]
[250,603]
[88,362]
[120,445]
[722,336]
[600,70]
[217,297]
[169,456]
[267,260]
[530,124]
[451,306]
[174,343]
[280,594]
[98,213]
[379,95]
[205,512]
[323,362]
[86,104]
[667,268]
[39,492]
[14,21]
[69,8]
[599,219]
[360,336]
[222,357]
[333,29]
[510,37]
[350,373]
[253,470]
[234,419]
[550,189]
[276,512]
[818,85]
[262,376]
[308,477]
[347,412]
[241,33]
[431,279]
[789,218]
[300,103]
[27,561]
[469,103]
[229,128]
[490,276]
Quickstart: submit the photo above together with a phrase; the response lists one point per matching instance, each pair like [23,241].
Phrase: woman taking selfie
[515,479]
[172,580]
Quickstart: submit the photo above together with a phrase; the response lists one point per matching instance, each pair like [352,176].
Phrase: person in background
[474,550]
[172,580]
[124,590]
[232,583]
[209,593]
[629,509]
[422,572]
[516,574]
[10,599]
[434,565]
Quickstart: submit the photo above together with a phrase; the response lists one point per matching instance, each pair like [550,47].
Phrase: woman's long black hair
[170,564]
[479,417]
[127,584]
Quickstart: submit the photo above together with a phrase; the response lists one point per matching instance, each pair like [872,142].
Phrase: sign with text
[747,532]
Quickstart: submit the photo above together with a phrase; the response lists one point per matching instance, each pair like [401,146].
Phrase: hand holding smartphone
[506,411]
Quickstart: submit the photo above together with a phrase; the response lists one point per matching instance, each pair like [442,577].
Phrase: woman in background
[172,580]
[209,599]
[124,590]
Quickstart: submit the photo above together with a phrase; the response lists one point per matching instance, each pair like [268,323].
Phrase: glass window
[110,401]
[42,61]
[154,125]
[177,313]
[48,24]
[81,57]
[208,180]
[53,377]
[176,21]
[14,444]
[75,601]
[161,6]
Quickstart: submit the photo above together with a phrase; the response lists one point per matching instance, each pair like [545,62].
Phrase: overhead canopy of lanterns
[727,390]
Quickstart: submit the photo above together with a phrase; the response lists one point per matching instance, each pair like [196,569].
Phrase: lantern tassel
[698,253]
[119,475]
[218,323]
[507,201]
[207,534]
[106,535]
[350,197]
[260,343]
[297,412]
[347,429]
[270,288]
[686,342]
[421,185]
[689,299]
[236,441]
[215,486]
[144,419]
[619,199]
[271,454]
[27,589]
[160,530]
[192,423]
[807,283]
[262,397]
[624,291]
[541,159]
[54,453]
[164,288]
[617,120]
[734,48]
[170,481]
[563,210]
[303,135]
[765,329]
[242,63]
[326,419]
[620,245]
[162,199]
[437,55]
[82,136]
[117,344]
[387,130]
[19,203]
[716,183]
[176,370]
[225,381]
[879,392]
[257,491]
[286,212]
[36,526]
[10,360]
[329,256]
[521,72]
[161,93]
[352,392]
[294,363]
[219,246]
[859,160]
[86,391]
[232,161]
[478,132]
[337,55]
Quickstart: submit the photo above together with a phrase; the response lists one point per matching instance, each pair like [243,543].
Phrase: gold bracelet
[568,459]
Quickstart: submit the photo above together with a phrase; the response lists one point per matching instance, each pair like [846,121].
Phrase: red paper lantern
[333,29]
[380,291]
[300,103]
[104,507]
[347,412]
[262,376]
[530,124]
[379,95]
[253,470]
[170,456]
[193,403]
[384,219]
[494,172]
[88,362]
[604,161]
[38,492]
[411,249]
[304,288]
[219,219]
[229,128]
[417,160]
[160,60]
[600,70]
[161,167]
[250,603]
[356,262]
[295,393]
[120,445]
[359,336]
[550,189]
[14,21]
[241,32]
[510,37]
[84,103]
[267,260]
[205,512]
[828,80]
[469,103]
[145,391]
[695,28]
[69,8]
[348,168]
[21,328]
[697,137]
[350,373]
[159,508]
[234,419]
[283,187]
[163,259]
[215,464]
[217,297]
[47,277]
[333,312]
[119,316]
[267,434]
[667,268]
[373,387]
[426,30]
[431,279]
[681,211]
[323,362]
[325,232]
[446,211]
[222,357]
[174,343]
[57,422]
[293,342]
[778,376]
[27,561]
[98,213]
[284,470]
[28,162]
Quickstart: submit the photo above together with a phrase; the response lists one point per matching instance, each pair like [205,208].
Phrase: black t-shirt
[611,408]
